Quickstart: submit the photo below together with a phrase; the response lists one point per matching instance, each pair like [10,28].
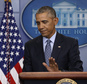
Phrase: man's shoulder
[34,40]
[67,38]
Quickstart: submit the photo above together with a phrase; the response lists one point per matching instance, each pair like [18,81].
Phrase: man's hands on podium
[53,66]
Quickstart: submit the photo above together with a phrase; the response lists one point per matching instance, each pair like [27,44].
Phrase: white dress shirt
[52,41]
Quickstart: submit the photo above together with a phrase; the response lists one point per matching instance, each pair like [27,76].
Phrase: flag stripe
[11,80]
[21,62]
[15,76]
[3,77]
[0,82]
[17,69]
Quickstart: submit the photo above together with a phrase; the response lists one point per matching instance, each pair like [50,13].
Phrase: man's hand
[53,67]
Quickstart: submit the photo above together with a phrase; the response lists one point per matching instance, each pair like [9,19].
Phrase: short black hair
[48,9]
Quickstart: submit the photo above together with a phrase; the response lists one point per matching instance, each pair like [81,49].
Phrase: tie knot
[48,41]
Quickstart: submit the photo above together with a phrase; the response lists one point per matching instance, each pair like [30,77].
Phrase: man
[64,50]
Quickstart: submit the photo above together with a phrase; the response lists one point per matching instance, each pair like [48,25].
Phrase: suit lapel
[57,46]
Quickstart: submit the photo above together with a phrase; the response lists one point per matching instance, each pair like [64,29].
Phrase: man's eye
[45,22]
[37,23]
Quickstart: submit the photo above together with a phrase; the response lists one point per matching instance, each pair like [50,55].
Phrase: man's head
[46,20]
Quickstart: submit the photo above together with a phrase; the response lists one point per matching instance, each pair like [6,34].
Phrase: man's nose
[41,25]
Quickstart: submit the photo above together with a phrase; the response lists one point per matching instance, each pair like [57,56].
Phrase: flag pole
[7,43]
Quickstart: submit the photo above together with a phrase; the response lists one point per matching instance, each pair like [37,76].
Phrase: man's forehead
[41,20]
[42,17]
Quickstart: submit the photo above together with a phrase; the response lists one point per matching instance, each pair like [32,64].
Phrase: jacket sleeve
[27,66]
[75,64]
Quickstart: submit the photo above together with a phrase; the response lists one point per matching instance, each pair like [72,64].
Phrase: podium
[52,77]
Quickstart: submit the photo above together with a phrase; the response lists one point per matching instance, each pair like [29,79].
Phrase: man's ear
[56,20]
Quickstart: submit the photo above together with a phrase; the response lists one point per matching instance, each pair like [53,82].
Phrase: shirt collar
[52,38]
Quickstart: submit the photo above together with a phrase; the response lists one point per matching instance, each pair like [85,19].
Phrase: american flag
[11,48]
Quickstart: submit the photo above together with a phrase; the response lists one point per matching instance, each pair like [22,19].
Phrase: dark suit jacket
[65,52]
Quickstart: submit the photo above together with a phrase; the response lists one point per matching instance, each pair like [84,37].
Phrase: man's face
[46,24]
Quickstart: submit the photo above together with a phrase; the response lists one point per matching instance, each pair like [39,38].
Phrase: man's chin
[44,35]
